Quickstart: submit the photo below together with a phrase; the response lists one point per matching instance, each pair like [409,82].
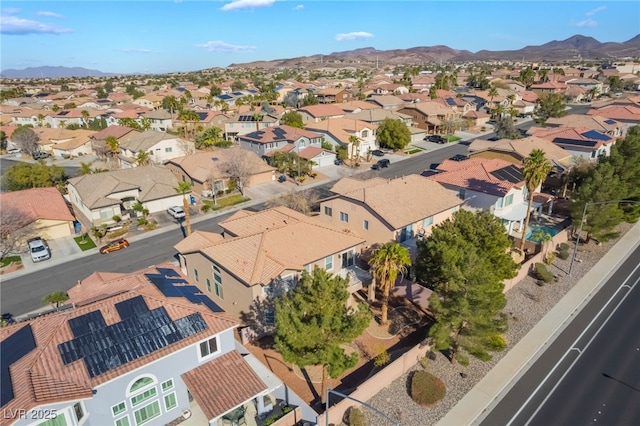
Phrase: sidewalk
[487,393]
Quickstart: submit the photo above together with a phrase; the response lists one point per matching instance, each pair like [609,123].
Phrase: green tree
[550,105]
[293,119]
[3,140]
[171,104]
[130,123]
[386,263]
[465,260]
[210,137]
[355,141]
[505,129]
[238,85]
[393,134]
[493,92]
[184,188]
[535,171]
[313,320]
[56,298]
[27,175]
[310,99]
[143,158]
[85,169]
[527,76]
[114,149]
[55,108]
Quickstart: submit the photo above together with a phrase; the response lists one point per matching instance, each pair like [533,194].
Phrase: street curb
[489,391]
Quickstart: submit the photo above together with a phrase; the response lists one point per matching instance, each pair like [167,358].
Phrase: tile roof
[618,112]
[152,183]
[38,203]
[115,131]
[279,133]
[574,137]
[42,377]
[341,128]
[202,165]
[430,108]
[264,244]
[144,141]
[223,384]
[376,114]
[356,104]
[523,147]
[323,110]
[594,122]
[386,100]
[475,174]
[400,201]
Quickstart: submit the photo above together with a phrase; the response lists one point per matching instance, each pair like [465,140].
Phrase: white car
[39,250]
[176,211]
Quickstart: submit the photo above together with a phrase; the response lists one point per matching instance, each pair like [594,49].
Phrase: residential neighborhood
[188,216]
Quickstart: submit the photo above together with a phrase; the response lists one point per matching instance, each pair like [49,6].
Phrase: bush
[382,358]
[563,251]
[427,389]
[116,218]
[142,221]
[496,342]
[550,257]
[541,272]
[356,417]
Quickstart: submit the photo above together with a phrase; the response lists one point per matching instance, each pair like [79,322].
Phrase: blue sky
[183,35]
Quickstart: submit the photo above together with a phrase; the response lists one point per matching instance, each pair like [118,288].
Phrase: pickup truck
[39,249]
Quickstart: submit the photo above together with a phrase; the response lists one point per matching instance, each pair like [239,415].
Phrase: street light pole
[584,213]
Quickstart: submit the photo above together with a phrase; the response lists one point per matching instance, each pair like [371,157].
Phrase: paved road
[591,373]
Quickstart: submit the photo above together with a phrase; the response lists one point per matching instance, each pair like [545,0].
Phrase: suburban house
[333,95]
[135,349]
[377,115]
[160,120]
[339,132]
[261,254]
[356,106]
[244,123]
[65,143]
[594,122]
[492,185]
[161,147]
[45,209]
[98,139]
[101,196]
[579,141]
[285,138]
[628,114]
[390,102]
[382,210]
[214,170]
[430,116]
[516,150]
[316,113]
[549,87]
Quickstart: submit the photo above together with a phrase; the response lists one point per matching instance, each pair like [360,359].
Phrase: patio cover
[223,384]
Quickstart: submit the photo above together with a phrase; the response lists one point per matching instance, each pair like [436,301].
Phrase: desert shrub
[382,358]
[206,206]
[496,342]
[563,251]
[541,272]
[427,389]
[549,258]
[142,221]
[356,417]
[424,362]
[116,218]
[564,246]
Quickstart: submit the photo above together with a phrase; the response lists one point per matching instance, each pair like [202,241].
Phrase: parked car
[114,246]
[282,178]
[40,155]
[8,319]
[381,164]
[460,157]
[337,162]
[176,211]
[39,249]
[436,139]
[378,152]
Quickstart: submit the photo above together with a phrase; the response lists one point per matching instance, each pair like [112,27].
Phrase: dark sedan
[378,153]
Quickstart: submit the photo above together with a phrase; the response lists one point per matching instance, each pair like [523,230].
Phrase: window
[499,202]
[147,413]
[509,200]
[328,211]
[208,347]
[348,259]
[118,409]
[59,420]
[168,385]
[124,421]
[208,285]
[78,410]
[168,149]
[365,224]
[365,133]
[170,401]
[328,263]
[344,217]
[195,275]
[144,396]
[427,221]
[141,383]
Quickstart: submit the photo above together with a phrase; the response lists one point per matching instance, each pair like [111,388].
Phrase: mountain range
[576,47]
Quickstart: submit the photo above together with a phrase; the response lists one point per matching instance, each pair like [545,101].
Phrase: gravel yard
[527,303]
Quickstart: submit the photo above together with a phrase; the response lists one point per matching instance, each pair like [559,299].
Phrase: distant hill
[52,72]
[575,47]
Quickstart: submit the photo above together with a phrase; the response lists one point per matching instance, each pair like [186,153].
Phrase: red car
[114,245]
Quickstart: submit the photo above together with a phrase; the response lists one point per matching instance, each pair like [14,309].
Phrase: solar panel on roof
[225,97]
[451,101]
[141,332]
[594,134]
[178,287]
[202,115]
[237,93]
[510,174]
[574,142]
[609,121]
[86,323]
[14,348]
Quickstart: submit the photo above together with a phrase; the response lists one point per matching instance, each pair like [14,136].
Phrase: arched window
[140,384]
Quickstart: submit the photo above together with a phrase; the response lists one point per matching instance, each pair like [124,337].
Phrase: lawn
[453,138]
[414,151]
[84,244]
[227,201]
[6,261]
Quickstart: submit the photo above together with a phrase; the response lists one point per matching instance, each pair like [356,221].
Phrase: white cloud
[9,11]
[587,23]
[596,10]
[358,35]
[246,4]
[298,7]
[222,47]
[49,14]
[133,50]
[18,26]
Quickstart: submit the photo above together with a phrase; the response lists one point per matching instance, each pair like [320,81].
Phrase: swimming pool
[531,230]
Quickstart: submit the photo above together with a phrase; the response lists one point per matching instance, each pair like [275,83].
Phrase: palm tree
[536,169]
[143,158]
[56,298]
[85,169]
[543,238]
[355,147]
[114,148]
[498,111]
[386,262]
[40,119]
[184,188]
[593,92]
[493,92]
[85,116]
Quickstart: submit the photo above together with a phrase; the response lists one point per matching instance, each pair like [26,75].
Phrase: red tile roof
[223,384]
[323,110]
[475,174]
[280,133]
[117,131]
[38,203]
